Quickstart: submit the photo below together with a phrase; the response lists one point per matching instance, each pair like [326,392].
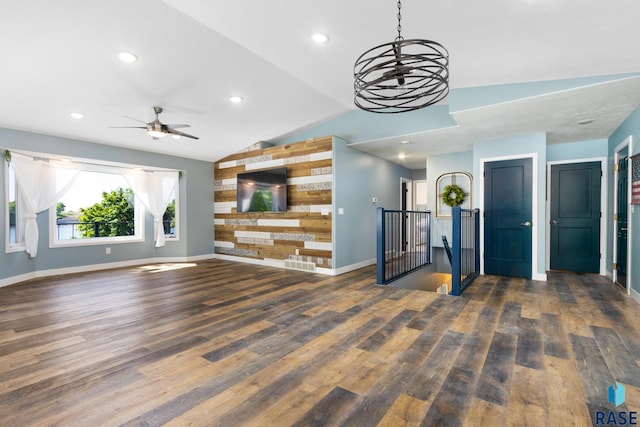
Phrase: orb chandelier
[400,76]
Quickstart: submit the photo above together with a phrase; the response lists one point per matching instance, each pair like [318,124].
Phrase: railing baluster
[403,242]
[380,245]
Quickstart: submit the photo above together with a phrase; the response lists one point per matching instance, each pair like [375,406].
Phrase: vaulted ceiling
[62,56]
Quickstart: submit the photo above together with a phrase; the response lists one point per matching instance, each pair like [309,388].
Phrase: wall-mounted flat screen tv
[263,190]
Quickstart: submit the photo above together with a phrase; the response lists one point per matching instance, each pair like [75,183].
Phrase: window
[420,198]
[170,219]
[101,207]
[98,207]
[98,204]
[14,236]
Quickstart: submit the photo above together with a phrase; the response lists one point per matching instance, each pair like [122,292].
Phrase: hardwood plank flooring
[217,343]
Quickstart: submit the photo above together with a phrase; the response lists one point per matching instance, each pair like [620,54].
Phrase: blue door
[575,217]
[508,217]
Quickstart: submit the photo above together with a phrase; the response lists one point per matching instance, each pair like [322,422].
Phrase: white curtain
[41,183]
[154,190]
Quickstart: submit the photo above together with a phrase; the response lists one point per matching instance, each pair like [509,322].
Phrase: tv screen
[263,191]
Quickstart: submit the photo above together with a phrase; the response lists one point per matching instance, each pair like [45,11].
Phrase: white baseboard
[352,267]
[542,277]
[96,267]
[266,262]
[17,279]
[635,295]
[280,264]
[121,264]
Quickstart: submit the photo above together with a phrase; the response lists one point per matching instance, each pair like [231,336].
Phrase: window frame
[90,165]
[19,245]
[139,219]
[176,236]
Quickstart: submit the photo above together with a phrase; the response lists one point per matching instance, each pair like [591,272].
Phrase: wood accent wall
[303,233]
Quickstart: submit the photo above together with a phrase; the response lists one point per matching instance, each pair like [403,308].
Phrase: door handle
[526,224]
[554,222]
[623,229]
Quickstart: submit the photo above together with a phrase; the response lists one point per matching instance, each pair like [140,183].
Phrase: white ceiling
[61,56]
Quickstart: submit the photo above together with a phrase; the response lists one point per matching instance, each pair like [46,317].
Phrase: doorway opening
[620,215]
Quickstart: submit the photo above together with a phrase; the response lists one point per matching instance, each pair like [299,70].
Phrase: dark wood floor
[232,344]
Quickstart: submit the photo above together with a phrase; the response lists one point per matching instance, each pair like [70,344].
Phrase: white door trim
[628,144]
[537,221]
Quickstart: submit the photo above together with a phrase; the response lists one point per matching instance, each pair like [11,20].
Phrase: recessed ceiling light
[406,141]
[236,99]
[76,115]
[127,57]
[585,121]
[402,156]
[319,38]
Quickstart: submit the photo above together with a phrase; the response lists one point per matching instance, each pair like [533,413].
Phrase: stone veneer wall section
[303,233]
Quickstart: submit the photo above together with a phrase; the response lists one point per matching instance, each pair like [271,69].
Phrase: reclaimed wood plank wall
[301,234]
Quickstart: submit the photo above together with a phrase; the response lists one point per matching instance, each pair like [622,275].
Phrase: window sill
[95,241]
[13,249]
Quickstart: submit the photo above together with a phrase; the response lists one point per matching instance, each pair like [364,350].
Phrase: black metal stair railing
[465,248]
[403,243]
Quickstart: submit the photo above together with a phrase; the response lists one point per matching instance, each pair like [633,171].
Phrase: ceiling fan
[157,129]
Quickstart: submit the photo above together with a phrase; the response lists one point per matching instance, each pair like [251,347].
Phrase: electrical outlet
[374,200]
[108,251]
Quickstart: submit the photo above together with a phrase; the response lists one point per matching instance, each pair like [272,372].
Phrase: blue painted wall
[436,166]
[418,174]
[518,146]
[359,177]
[195,204]
[360,126]
[578,150]
[630,127]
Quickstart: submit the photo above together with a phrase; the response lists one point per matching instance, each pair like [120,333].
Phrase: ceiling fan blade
[178,126]
[133,118]
[177,132]
[157,128]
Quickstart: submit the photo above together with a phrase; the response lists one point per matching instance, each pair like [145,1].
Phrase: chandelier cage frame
[401,76]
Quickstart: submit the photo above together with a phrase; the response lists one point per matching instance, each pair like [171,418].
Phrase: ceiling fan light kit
[155,129]
[400,76]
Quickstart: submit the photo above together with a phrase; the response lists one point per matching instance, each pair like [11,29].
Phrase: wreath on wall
[452,195]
